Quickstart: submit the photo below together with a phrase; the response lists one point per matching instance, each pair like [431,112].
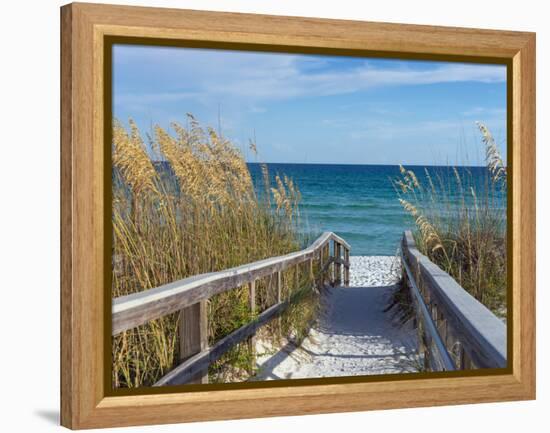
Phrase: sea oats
[461,222]
[193,210]
[130,157]
[492,155]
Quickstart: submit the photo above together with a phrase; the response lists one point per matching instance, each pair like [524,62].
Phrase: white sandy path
[354,336]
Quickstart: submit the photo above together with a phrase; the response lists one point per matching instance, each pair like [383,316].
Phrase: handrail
[136,309]
[481,334]
[201,360]
[443,358]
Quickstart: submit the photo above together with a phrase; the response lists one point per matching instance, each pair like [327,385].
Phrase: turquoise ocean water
[358,202]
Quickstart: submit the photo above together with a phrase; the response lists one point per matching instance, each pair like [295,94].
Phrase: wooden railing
[190,296]
[456,330]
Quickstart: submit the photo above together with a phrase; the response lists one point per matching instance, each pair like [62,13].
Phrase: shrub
[184,205]
[460,218]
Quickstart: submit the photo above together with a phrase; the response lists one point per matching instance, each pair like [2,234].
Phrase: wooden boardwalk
[354,336]
[325,259]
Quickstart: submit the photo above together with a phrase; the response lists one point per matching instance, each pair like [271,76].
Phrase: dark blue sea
[357,202]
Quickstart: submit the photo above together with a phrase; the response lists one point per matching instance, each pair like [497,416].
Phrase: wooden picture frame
[85,317]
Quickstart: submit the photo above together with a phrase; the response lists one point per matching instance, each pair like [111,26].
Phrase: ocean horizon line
[368,165]
[157,161]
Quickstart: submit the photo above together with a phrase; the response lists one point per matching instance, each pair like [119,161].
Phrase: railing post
[461,356]
[442,326]
[297,276]
[338,267]
[193,330]
[326,253]
[279,300]
[321,264]
[279,286]
[331,266]
[252,339]
[346,267]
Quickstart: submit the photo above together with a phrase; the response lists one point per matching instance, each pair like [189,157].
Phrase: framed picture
[265,215]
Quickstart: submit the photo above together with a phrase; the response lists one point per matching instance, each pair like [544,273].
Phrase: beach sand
[353,336]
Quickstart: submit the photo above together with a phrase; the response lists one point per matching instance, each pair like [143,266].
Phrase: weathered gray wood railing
[190,296]
[457,331]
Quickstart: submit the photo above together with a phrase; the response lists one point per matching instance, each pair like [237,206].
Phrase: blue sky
[317,109]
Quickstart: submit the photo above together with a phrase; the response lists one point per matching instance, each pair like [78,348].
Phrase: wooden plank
[321,266]
[337,263]
[443,359]
[346,266]
[252,339]
[197,363]
[481,332]
[308,33]
[522,217]
[138,308]
[326,272]
[252,297]
[193,329]
[68,405]
[83,225]
[279,286]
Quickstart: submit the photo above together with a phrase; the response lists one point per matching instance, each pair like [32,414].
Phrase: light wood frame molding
[85,398]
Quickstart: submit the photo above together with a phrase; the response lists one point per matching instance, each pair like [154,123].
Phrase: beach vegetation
[460,220]
[184,203]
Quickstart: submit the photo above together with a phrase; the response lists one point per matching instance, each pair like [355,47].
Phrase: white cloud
[166,83]
[204,75]
[484,111]
[134,98]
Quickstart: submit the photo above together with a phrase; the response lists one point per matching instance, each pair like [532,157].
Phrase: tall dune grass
[185,204]
[461,222]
